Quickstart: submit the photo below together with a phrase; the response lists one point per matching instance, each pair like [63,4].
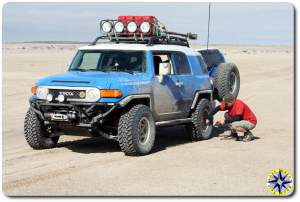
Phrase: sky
[231,23]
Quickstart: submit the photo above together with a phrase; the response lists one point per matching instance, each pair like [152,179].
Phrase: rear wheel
[36,134]
[136,131]
[199,129]
[227,80]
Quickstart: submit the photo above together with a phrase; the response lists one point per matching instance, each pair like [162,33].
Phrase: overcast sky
[231,23]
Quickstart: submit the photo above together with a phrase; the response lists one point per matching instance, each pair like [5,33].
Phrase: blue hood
[88,79]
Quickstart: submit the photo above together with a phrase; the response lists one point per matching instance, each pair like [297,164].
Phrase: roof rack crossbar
[165,39]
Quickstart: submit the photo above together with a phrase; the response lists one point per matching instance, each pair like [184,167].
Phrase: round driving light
[119,27]
[106,27]
[41,92]
[145,27]
[61,98]
[49,97]
[92,95]
[131,27]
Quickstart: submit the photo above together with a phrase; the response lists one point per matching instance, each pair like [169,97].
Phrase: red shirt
[239,108]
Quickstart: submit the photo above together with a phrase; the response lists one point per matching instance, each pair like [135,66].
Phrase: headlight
[92,95]
[145,27]
[119,27]
[131,27]
[106,27]
[41,92]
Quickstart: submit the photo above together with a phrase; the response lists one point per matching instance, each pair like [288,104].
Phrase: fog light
[61,98]
[49,97]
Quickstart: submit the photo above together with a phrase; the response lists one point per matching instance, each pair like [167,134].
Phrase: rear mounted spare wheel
[227,80]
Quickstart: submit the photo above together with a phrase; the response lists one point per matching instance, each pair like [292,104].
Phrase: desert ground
[95,166]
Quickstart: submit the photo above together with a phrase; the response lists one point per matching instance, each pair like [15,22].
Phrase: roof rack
[171,38]
[140,30]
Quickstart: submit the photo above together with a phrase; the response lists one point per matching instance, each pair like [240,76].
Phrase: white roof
[210,48]
[143,47]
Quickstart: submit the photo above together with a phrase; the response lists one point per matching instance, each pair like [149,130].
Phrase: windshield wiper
[86,70]
[122,70]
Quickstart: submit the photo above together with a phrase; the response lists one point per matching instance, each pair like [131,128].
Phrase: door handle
[179,84]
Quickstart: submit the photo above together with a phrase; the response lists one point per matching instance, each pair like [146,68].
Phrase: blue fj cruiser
[143,78]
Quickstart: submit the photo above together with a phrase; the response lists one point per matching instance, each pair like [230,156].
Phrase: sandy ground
[93,166]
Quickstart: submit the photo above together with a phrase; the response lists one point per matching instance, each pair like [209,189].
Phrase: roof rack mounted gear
[142,30]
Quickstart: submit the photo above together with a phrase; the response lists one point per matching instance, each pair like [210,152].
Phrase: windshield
[109,60]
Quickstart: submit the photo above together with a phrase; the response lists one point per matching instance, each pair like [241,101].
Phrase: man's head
[228,100]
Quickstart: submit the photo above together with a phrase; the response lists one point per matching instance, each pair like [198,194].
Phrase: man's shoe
[233,135]
[248,136]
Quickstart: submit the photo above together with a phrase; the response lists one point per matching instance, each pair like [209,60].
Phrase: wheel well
[206,95]
[135,101]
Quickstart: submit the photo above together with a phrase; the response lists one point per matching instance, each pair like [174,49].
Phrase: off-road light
[131,27]
[41,92]
[61,98]
[49,97]
[119,27]
[145,27]
[106,27]
[92,95]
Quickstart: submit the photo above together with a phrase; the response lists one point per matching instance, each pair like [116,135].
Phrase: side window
[181,63]
[202,63]
[160,58]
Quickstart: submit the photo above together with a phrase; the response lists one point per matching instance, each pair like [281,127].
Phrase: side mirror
[164,69]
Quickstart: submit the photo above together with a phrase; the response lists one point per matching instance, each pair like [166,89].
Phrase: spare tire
[227,80]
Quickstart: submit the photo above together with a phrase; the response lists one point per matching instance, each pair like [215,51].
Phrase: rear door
[183,80]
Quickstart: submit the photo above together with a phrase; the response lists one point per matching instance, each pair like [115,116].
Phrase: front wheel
[136,131]
[36,134]
[199,129]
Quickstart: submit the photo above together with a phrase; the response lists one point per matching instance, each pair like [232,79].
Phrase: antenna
[208,25]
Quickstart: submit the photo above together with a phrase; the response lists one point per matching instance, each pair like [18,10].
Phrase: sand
[93,166]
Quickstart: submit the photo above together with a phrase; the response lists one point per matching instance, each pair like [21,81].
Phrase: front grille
[68,93]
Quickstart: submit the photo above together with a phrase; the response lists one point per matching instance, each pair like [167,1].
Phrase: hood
[87,79]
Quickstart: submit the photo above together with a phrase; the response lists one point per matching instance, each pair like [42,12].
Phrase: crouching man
[239,117]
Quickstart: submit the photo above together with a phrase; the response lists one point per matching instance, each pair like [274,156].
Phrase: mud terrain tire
[198,130]
[227,80]
[35,132]
[136,131]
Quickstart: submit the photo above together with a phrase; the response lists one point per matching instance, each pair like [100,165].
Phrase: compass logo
[280,182]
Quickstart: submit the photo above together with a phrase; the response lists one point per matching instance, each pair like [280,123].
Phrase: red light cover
[138,20]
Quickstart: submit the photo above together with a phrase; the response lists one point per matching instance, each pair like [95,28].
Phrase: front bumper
[84,114]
